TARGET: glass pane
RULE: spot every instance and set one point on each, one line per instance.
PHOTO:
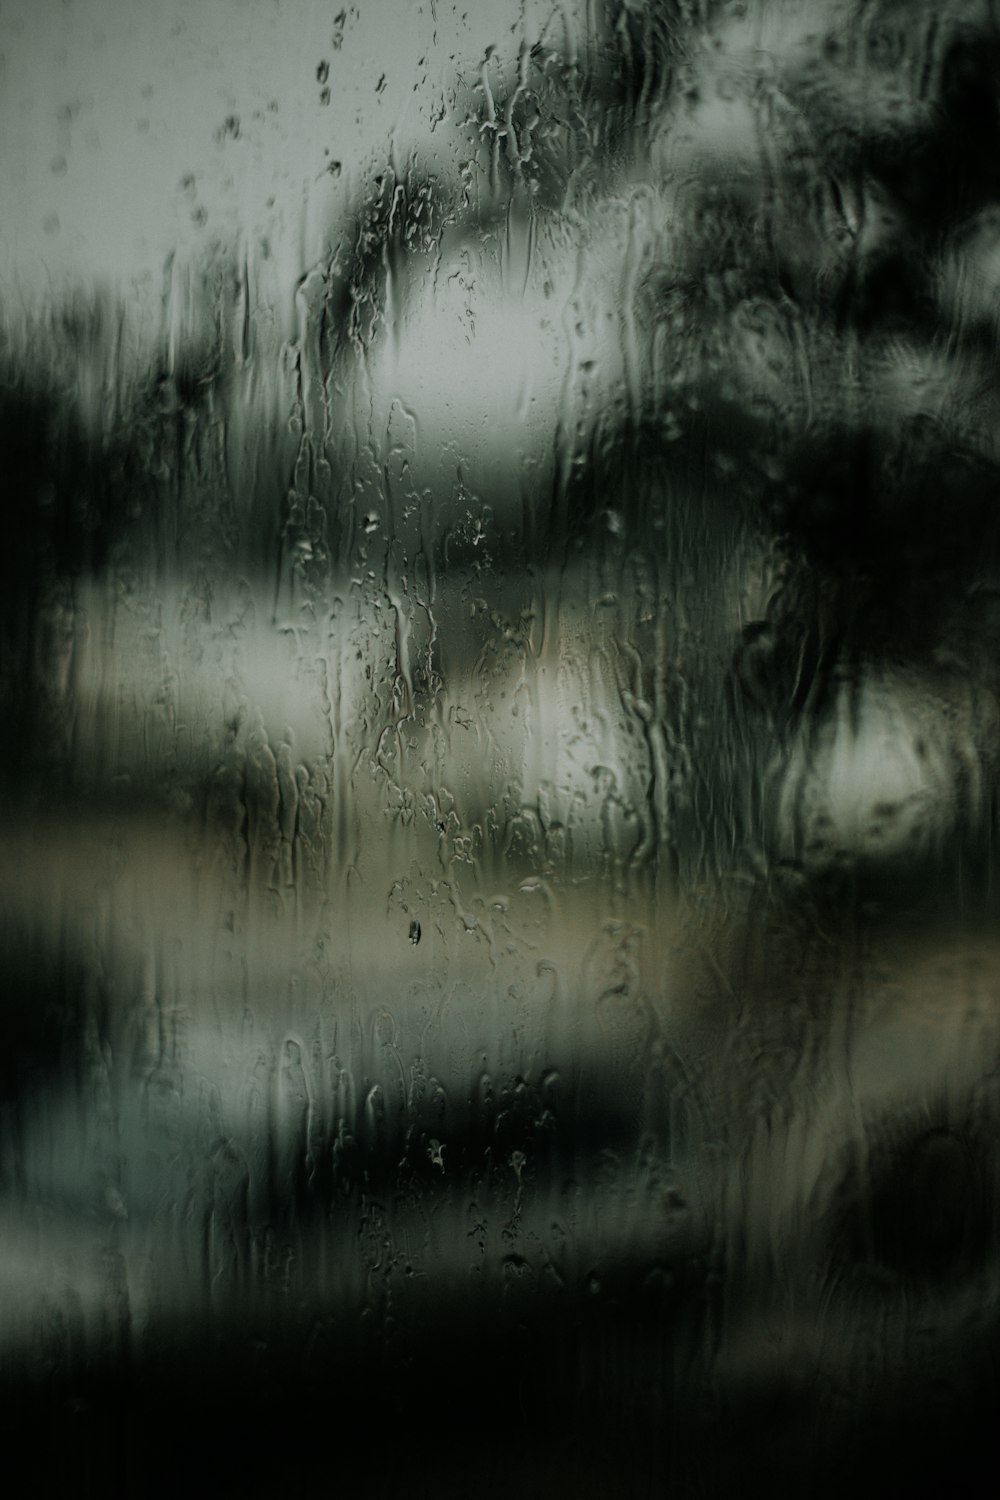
(498, 652)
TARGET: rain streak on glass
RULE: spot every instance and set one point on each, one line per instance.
(499, 626)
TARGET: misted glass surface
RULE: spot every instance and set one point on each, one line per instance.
(499, 641)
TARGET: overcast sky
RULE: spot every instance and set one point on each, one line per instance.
(133, 128)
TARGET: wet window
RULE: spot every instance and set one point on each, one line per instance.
(499, 624)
